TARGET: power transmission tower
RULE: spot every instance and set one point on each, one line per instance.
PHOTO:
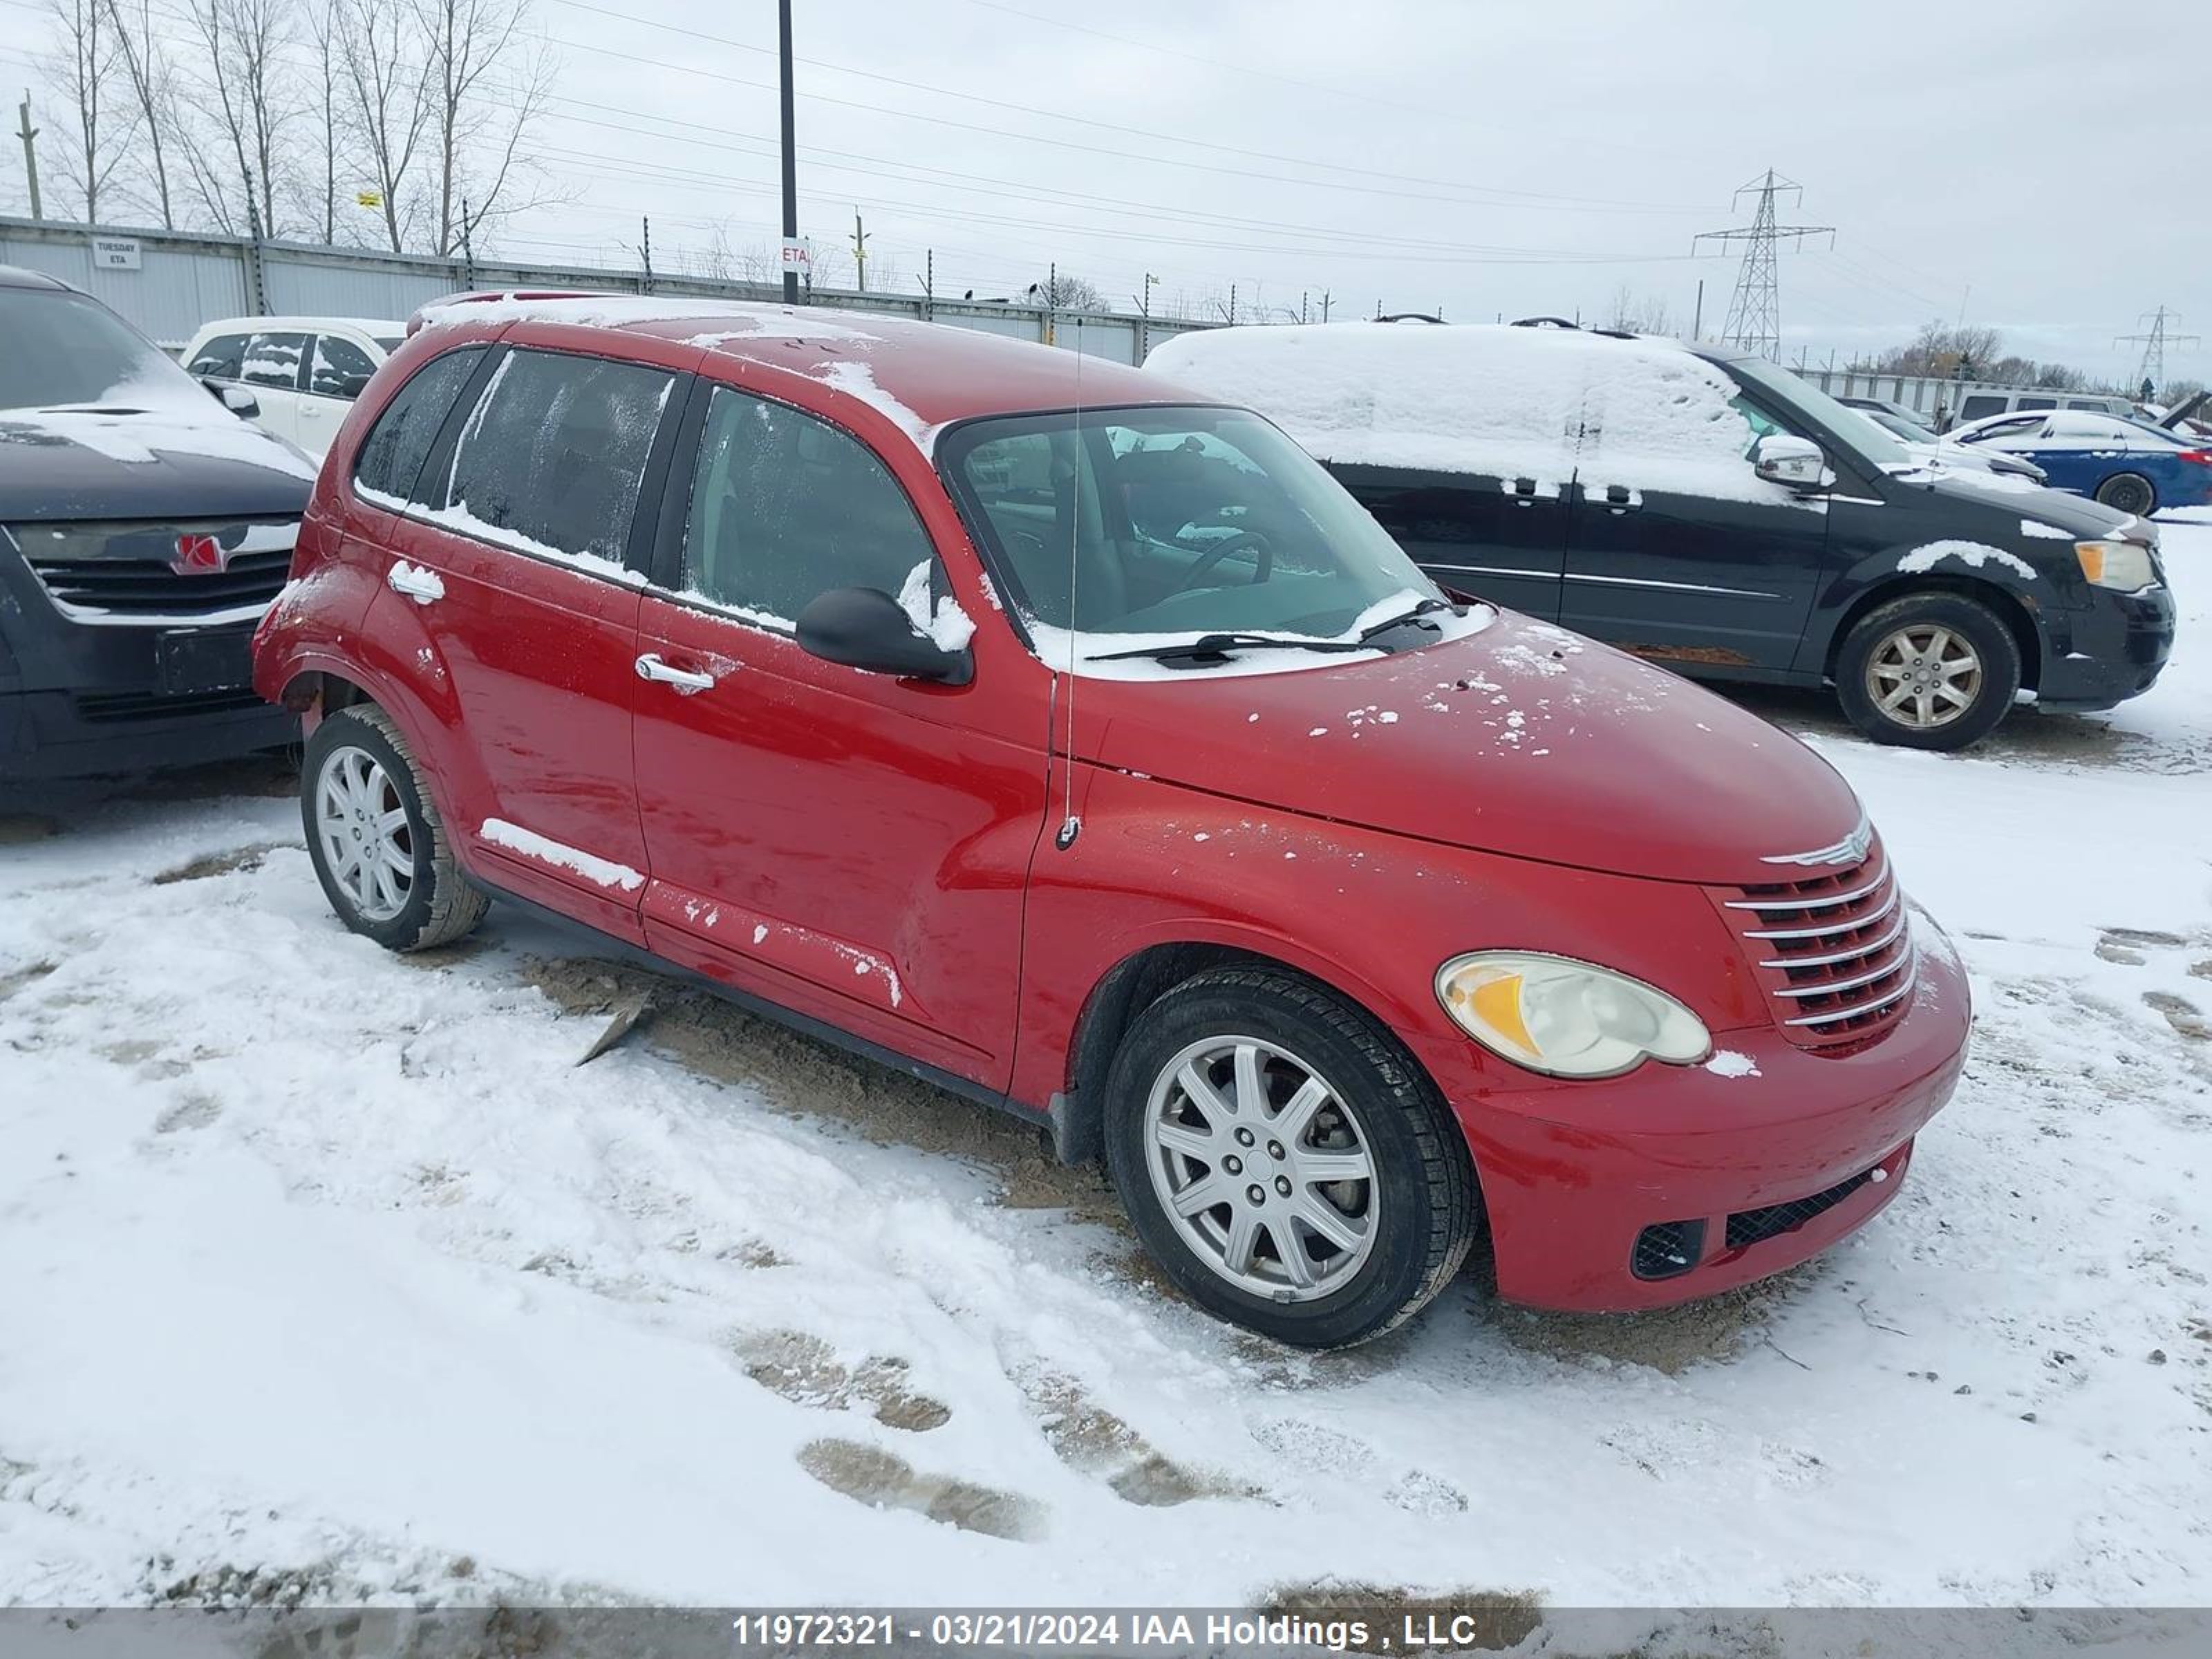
(1754, 315)
(2154, 341)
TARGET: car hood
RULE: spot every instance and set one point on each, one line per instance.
(1522, 739)
(2077, 515)
(169, 461)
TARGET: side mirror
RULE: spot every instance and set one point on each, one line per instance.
(235, 399)
(1795, 462)
(866, 628)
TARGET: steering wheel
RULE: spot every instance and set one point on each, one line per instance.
(1264, 560)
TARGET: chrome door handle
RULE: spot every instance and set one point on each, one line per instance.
(417, 584)
(650, 668)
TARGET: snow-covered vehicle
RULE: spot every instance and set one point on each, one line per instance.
(2131, 465)
(302, 372)
(1923, 445)
(1714, 512)
(1083, 750)
(144, 528)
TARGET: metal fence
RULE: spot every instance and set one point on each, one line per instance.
(169, 282)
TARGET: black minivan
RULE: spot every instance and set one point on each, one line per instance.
(1714, 512)
(144, 527)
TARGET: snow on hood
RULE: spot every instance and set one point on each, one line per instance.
(1524, 739)
(1532, 402)
(141, 419)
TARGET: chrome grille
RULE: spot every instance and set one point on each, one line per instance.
(1835, 952)
(123, 573)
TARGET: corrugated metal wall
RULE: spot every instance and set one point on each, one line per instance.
(185, 280)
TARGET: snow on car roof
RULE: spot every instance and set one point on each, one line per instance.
(922, 376)
(1506, 401)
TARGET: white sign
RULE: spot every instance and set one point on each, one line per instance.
(115, 252)
(799, 256)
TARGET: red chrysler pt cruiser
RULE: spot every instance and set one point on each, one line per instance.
(1078, 745)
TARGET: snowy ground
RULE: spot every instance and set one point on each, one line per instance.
(333, 1265)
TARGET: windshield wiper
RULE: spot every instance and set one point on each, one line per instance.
(1419, 610)
(1216, 647)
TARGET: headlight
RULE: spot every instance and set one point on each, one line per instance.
(1566, 1018)
(2124, 565)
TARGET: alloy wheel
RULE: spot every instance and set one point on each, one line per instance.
(1262, 1169)
(367, 840)
(1924, 676)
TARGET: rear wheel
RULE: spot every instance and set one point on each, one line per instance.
(1284, 1161)
(378, 844)
(2129, 492)
(1930, 670)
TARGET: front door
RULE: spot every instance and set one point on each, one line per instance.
(1498, 538)
(337, 370)
(847, 845)
(1677, 550)
(510, 570)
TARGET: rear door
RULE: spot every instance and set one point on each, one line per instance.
(1498, 539)
(1678, 551)
(510, 610)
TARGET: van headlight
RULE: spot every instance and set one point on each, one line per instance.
(2125, 565)
(1564, 1018)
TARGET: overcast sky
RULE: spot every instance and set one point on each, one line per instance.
(2022, 163)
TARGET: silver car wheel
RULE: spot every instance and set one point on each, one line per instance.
(1263, 1170)
(1924, 676)
(367, 843)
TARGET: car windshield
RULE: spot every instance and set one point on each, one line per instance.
(1897, 426)
(1851, 426)
(63, 349)
(1172, 521)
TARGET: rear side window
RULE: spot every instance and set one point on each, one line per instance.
(2036, 403)
(273, 361)
(340, 368)
(391, 459)
(552, 457)
(785, 507)
(220, 358)
(1976, 407)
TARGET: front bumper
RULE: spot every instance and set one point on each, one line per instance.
(60, 734)
(2117, 649)
(1573, 1176)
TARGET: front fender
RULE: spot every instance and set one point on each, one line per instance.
(1370, 914)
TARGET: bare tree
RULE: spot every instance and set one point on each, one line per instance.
(322, 23)
(146, 64)
(1065, 291)
(487, 79)
(254, 89)
(387, 107)
(85, 66)
(1644, 313)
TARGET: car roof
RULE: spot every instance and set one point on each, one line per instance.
(368, 325)
(923, 375)
(18, 277)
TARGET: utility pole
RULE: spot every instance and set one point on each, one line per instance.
(1232, 305)
(1145, 311)
(1698, 317)
(929, 285)
(860, 253)
(2154, 341)
(645, 252)
(29, 134)
(468, 252)
(1755, 317)
(790, 154)
(1324, 305)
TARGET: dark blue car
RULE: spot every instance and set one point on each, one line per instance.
(2129, 465)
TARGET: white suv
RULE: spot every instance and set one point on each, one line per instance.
(304, 372)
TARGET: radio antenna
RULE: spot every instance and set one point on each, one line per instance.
(1070, 825)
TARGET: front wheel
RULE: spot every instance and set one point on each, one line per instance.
(1284, 1161)
(1930, 670)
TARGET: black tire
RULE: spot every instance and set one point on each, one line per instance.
(2129, 492)
(1972, 620)
(1423, 1188)
(441, 904)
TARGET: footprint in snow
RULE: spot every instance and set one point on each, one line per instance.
(1093, 1441)
(805, 1370)
(868, 1474)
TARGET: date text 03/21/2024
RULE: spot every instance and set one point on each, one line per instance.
(1035, 1629)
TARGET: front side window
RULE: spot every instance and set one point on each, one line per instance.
(390, 458)
(785, 507)
(273, 361)
(339, 369)
(553, 456)
(1171, 520)
(219, 359)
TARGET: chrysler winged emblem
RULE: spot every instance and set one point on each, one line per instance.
(1851, 849)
